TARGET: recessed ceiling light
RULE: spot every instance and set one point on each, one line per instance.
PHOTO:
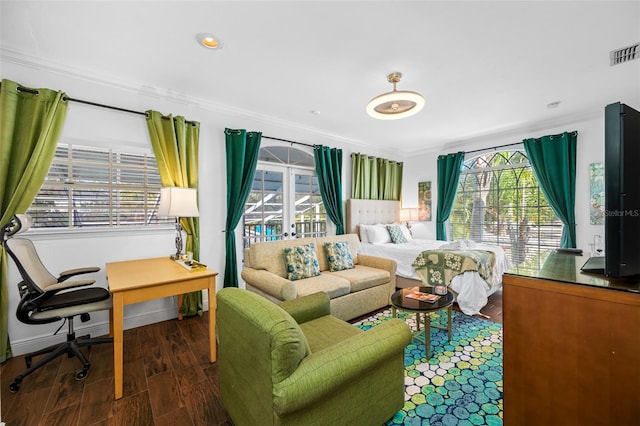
(209, 41)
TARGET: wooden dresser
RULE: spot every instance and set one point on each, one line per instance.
(571, 346)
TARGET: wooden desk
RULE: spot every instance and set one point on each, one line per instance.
(140, 280)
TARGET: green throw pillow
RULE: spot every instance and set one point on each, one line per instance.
(339, 256)
(301, 262)
(397, 236)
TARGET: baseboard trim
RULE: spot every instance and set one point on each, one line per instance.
(25, 346)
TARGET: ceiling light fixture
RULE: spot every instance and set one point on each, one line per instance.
(209, 41)
(395, 104)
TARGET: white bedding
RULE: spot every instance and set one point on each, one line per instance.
(473, 291)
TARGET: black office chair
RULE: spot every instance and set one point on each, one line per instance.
(45, 299)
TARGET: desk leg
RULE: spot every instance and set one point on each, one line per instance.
(180, 299)
(118, 324)
(212, 319)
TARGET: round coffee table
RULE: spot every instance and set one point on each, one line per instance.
(399, 300)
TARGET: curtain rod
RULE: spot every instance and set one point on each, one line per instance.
(493, 147)
(510, 144)
(81, 101)
(285, 140)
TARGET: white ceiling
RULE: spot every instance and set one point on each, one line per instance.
(483, 67)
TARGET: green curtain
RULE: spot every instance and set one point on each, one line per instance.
(364, 176)
(448, 177)
(375, 178)
(30, 124)
(242, 156)
(329, 171)
(175, 145)
(390, 179)
(553, 161)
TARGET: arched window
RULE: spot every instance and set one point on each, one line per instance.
(285, 200)
(499, 202)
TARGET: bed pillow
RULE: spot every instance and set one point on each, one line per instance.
(405, 231)
(420, 230)
(378, 234)
(396, 234)
(301, 262)
(363, 230)
(339, 256)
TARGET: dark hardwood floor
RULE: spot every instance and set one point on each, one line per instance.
(168, 380)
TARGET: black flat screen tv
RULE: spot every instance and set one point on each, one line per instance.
(622, 191)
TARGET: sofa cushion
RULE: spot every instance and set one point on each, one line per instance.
(338, 256)
(354, 246)
(334, 286)
(301, 261)
(363, 277)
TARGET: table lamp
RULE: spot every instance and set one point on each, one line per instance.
(408, 215)
(178, 202)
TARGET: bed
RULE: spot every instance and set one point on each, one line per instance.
(473, 291)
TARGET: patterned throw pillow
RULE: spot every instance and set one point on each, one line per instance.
(397, 236)
(301, 262)
(339, 256)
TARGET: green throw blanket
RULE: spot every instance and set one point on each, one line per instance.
(437, 267)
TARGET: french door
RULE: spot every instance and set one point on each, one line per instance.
(284, 203)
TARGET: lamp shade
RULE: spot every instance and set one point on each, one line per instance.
(178, 202)
(408, 215)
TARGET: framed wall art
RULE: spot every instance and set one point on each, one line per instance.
(596, 193)
(424, 201)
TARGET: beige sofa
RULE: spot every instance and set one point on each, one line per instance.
(352, 292)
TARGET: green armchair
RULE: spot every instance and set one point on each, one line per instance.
(295, 364)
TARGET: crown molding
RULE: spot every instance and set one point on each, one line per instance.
(15, 57)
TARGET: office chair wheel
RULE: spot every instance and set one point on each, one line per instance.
(15, 386)
(82, 374)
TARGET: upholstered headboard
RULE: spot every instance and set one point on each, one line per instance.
(370, 212)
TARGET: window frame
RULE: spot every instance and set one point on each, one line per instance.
(532, 251)
(113, 186)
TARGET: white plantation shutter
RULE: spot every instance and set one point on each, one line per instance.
(98, 187)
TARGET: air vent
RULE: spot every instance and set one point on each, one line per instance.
(625, 54)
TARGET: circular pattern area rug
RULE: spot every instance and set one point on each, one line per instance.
(462, 383)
